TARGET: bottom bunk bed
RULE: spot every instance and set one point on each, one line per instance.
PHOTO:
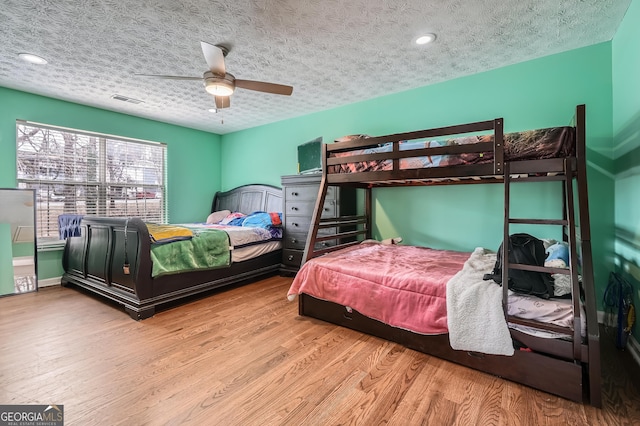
(436, 301)
(400, 293)
(135, 263)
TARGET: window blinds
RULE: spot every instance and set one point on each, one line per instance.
(75, 172)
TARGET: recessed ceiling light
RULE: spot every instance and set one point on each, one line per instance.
(426, 39)
(213, 110)
(32, 59)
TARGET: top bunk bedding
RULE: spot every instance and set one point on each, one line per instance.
(465, 153)
(556, 142)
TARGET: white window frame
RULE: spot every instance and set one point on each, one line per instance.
(86, 191)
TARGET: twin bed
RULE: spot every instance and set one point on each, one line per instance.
(142, 266)
(436, 301)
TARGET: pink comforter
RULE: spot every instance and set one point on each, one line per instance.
(403, 286)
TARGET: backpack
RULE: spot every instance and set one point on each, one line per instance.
(529, 250)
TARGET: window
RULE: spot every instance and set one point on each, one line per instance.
(86, 173)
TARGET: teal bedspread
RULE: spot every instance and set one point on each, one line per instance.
(207, 249)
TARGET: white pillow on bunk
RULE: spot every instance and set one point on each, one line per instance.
(216, 217)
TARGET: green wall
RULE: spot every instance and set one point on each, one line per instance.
(193, 157)
(535, 94)
(626, 149)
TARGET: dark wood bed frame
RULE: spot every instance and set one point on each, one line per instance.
(568, 367)
(95, 260)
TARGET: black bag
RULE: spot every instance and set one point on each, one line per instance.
(529, 250)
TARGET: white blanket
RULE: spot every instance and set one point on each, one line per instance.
(474, 308)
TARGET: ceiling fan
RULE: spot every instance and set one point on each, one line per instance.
(220, 83)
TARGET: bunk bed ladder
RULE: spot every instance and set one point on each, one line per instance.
(568, 224)
(333, 233)
(573, 168)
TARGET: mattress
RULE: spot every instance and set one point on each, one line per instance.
(552, 311)
(240, 254)
(555, 142)
(211, 247)
(405, 287)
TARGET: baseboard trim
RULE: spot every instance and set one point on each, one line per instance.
(49, 282)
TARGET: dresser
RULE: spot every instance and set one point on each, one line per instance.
(300, 194)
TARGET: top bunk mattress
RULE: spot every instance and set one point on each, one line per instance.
(555, 142)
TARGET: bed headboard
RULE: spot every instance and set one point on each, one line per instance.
(248, 199)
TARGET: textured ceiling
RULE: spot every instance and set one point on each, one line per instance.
(333, 52)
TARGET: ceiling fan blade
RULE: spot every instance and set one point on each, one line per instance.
(214, 57)
(222, 102)
(169, 77)
(261, 86)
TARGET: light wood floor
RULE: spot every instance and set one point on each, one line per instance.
(244, 357)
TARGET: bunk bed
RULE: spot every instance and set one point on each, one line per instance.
(113, 257)
(568, 364)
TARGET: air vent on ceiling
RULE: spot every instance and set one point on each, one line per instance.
(126, 99)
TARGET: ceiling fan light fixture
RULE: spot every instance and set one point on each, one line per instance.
(218, 88)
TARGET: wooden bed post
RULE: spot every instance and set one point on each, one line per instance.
(595, 391)
(368, 211)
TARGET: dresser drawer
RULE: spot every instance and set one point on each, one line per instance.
(292, 257)
(306, 208)
(329, 209)
(300, 208)
(298, 241)
(297, 224)
(307, 192)
(293, 240)
(302, 192)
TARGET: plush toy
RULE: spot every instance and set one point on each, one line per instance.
(557, 255)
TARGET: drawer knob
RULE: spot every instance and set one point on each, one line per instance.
(290, 257)
(295, 194)
(294, 208)
(294, 224)
(293, 240)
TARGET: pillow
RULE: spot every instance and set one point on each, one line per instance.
(263, 220)
(557, 255)
(216, 217)
(234, 219)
